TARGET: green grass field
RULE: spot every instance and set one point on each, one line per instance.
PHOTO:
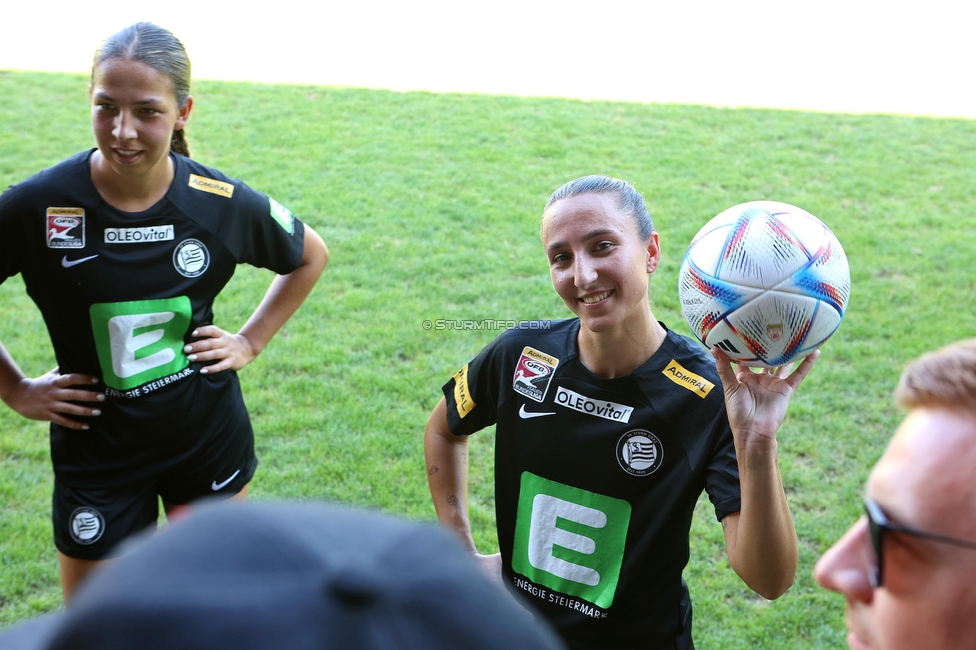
(430, 206)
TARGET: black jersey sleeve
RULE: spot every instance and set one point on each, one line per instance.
(472, 394)
(477, 391)
(274, 238)
(721, 468)
(722, 475)
(13, 239)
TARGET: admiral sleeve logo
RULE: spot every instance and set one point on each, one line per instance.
(211, 186)
(695, 383)
(533, 373)
(65, 228)
(462, 393)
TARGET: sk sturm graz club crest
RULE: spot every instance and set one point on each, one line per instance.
(191, 258)
(639, 452)
(86, 525)
(533, 373)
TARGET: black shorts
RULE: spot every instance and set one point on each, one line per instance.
(89, 522)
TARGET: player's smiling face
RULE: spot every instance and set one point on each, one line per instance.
(134, 113)
(598, 262)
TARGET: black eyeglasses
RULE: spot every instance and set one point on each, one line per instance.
(878, 525)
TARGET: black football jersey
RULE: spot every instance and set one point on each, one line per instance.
(596, 479)
(122, 292)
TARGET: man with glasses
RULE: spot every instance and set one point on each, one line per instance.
(908, 568)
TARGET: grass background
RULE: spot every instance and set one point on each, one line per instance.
(430, 206)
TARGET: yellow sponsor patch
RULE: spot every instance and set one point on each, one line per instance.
(540, 356)
(210, 185)
(681, 376)
(462, 394)
(65, 212)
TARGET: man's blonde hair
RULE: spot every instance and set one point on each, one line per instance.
(945, 378)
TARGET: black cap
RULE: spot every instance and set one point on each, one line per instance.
(241, 576)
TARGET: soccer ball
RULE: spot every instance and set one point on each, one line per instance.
(766, 282)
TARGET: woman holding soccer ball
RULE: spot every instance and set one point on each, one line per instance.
(124, 248)
(608, 427)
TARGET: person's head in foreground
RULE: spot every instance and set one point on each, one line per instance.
(908, 568)
(291, 577)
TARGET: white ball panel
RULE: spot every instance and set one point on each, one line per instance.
(826, 320)
(704, 299)
(773, 323)
(832, 267)
(760, 257)
(706, 253)
(807, 229)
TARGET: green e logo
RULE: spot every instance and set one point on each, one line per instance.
(140, 341)
(570, 540)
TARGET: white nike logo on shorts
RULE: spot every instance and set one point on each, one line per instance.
(525, 415)
(217, 486)
(66, 263)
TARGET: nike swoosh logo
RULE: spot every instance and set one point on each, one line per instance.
(66, 263)
(216, 486)
(525, 415)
